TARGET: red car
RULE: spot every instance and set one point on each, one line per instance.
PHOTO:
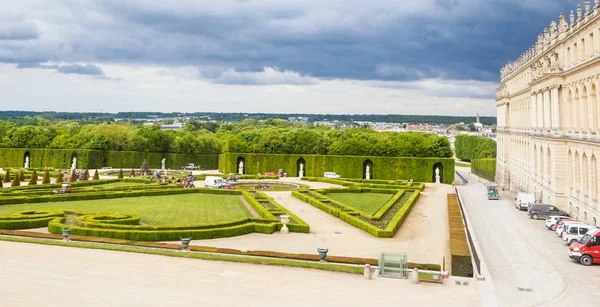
(587, 250)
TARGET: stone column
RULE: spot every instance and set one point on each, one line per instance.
(540, 115)
(547, 109)
(533, 110)
(590, 104)
(555, 108)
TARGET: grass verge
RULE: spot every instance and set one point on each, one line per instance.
(195, 255)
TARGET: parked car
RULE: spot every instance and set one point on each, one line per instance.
(523, 200)
(553, 220)
(575, 232)
(536, 211)
(331, 175)
(563, 227)
(214, 182)
(587, 250)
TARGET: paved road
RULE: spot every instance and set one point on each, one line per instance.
(521, 253)
(40, 275)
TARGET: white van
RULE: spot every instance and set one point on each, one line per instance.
(575, 232)
(565, 226)
(214, 182)
(331, 175)
(523, 200)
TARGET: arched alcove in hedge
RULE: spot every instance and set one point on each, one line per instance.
(237, 164)
(368, 163)
(298, 162)
(441, 167)
(27, 156)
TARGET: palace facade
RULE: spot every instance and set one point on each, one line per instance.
(549, 113)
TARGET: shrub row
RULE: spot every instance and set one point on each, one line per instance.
(112, 194)
(459, 248)
(380, 184)
(353, 216)
(62, 158)
(418, 169)
(469, 147)
(484, 168)
(296, 224)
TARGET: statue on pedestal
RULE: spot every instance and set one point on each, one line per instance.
(301, 173)
(241, 168)
(27, 162)
(367, 173)
(162, 164)
(74, 164)
(437, 175)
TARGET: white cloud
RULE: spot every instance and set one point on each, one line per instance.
(145, 88)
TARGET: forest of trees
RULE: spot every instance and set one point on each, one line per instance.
(273, 136)
(230, 117)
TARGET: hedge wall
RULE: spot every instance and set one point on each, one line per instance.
(459, 248)
(469, 147)
(91, 159)
(484, 168)
(418, 169)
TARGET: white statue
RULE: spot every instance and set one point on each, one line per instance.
(27, 162)
(437, 175)
(74, 164)
(162, 164)
(367, 174)
(301, 174)
(241, 168)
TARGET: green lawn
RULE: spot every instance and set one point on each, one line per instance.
(180, 210)
(369, 203)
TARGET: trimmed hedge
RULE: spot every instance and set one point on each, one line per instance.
(460, 253)
(418, 169)
(126, 226)
(469, 147)
(62, 158)
(388, 217)
(484, 168)
(380, 184)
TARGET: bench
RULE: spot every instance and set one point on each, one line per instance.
(270, 174)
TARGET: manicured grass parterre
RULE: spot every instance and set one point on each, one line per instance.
(181, 210)
(148, 212)
(383, 223)
(369, 203)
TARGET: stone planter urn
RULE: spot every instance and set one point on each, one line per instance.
(284, 219)
(185, 242)
(322, 254)
(66, 232)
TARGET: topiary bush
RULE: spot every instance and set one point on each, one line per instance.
(33, 179)
(73, 177)
(120, 174)
(96, 176)
(46, 179)
(132, 173)
(22, 176)
(86, 175)
(60, 178)
(7, 176)
(16, 182)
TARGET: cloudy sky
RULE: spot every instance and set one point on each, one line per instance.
(309, 56)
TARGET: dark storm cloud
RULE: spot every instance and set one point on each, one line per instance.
(87, 69)
(359, 40)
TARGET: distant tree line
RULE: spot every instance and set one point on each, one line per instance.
(470, 147)
(232, 117)
(273, 136)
